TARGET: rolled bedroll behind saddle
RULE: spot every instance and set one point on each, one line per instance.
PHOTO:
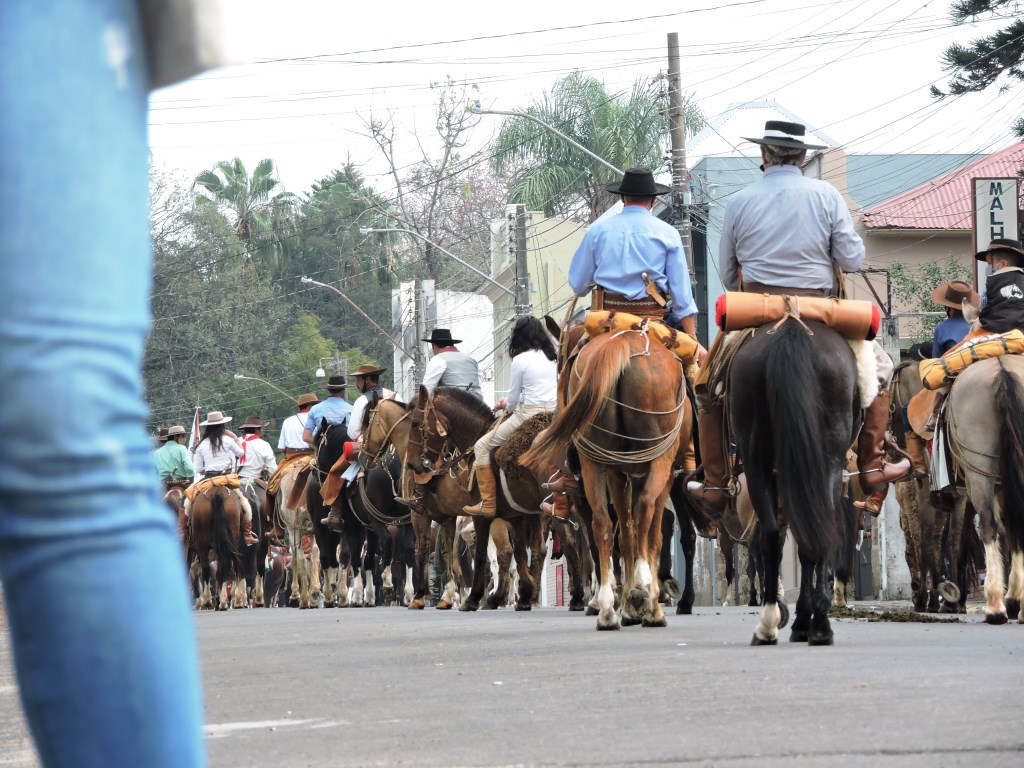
(680, 344)
(940, 371)
(853, 319)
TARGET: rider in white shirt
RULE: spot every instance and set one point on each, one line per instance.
(216, 455)
(292, 427)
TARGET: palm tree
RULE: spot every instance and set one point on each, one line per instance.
(626, 130)
(261, 213)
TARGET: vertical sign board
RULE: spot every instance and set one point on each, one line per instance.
(996, 214)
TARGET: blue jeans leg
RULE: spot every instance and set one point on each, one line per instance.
(94, 581)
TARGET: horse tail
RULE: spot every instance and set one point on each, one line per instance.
(223, 541)
(1010, 403)
(796, 414)
(605, 368)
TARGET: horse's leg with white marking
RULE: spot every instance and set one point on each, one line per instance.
(595, 486)
(651, 510)
(409, 591)
(239, 591)
(762, 494)
(981, 491)
(634, 599)
(222, 596)
(1015, 590)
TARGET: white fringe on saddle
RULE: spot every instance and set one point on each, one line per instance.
(867, 370)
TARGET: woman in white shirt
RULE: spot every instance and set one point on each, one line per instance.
(532, 390)
(216, 455)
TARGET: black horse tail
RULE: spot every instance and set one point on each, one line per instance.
(797, 419)
(1010, 403)
(223, 542)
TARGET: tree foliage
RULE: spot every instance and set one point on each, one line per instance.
(981, 63)
(913, 290)
(551, 175)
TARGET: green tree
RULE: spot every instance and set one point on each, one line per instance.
(551, 175)
(984, 61)
(260, 211)
(913, 290)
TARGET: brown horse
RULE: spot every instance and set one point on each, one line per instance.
(386, 426)
(985, 417)
(215, 534)
(625, 404)
(450, 421)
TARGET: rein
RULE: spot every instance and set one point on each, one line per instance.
(377, 515)
(376, 457)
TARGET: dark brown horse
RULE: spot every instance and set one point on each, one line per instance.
(793, 402)
(215, 535)
(625, 404)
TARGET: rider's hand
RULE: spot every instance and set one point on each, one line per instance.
(500, 405)
(701, 354)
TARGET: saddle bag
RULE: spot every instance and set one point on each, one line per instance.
(229, 481)
(940, 371)
(853, 319)
(679, 344)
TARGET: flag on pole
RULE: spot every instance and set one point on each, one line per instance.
(193, 436)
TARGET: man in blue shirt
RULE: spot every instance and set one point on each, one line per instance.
(618, 251)
(334, 408)
(951, 331)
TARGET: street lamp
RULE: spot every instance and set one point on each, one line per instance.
(337, 364)
(240, 377)
(476, 109)
(414, 233)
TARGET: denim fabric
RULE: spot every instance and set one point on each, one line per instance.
(93, 574)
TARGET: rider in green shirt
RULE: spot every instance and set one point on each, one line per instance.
(173, 461)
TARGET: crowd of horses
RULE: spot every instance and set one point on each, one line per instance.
(622, 427)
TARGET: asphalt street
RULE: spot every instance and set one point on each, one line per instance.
(391, 687)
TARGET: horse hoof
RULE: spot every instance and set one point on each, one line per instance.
(444, 605)
(607, 627)
(758, 641)
(640, 601)
(1013, 607)
(798, 636)
(417, 604)
(671, 588)
(591, 611)
(573, 607)
(820, 638)
(467, 607)
(995, 619)
(684, 610)
(629, 621)
(783, 614)
(523, 606)
(662, 622)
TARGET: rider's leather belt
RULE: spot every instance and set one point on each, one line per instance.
(606, 300)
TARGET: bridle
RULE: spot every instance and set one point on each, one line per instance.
(435, 442)
(371, 459)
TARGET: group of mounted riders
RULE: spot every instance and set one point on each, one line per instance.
(786, 236)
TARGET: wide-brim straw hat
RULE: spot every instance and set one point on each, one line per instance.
(954, 293)
(175, 431)
(254, 422)
(1001, 244)
(214, 418)
(368, 370)
(308, 398)
(637, 182)
(779, 133)
(336, 383)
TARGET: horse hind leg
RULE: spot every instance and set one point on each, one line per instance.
(239, 593)
(1015, 589)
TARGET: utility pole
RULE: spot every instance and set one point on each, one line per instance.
(677, 135)
(417, 323)
(522, 268)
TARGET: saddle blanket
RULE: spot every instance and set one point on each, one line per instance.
(274, 483)
(853, 319)
(940, 371)
(229, 481)
(680, 344)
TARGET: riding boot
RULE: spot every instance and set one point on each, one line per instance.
(873, 503)
(182, 523)
(485, 482)
(875, 471)
(712, 495)
(333, 520)
(557, 507)
(915, 449)
(418, 501)
(248, 537)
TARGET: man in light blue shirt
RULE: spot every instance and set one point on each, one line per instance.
(335, 408)
(788, 234)
(617, 251)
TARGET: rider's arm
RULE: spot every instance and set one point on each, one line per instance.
(435, 370)
(678, 275)
(728, 266)
(583, 266)
(846, 247)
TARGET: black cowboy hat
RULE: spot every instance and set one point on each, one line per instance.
(920, 351)
(637, 182)
(954, 293)
(336, 383)
(442, 337)
(1002, 244)
(779, 133)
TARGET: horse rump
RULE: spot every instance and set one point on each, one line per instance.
(1010, 403)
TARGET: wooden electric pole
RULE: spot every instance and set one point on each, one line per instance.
(677, 135)
(522, 297)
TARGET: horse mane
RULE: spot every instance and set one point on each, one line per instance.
(366, 411)
(469, 416)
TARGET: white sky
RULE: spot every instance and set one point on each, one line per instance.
(858, 70)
